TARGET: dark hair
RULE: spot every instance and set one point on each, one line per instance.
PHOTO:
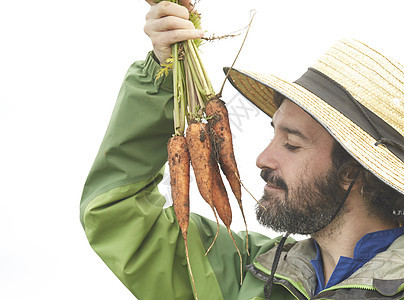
(383, 200)
(278, 99)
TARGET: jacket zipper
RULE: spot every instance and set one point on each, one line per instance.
(297, 291)
(349, 286)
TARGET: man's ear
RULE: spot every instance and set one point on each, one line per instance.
(350, 175)
(357, 187)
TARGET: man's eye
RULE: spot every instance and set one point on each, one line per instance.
(291, 147)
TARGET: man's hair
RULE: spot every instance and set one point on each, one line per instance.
(383, 200)
(278, 99)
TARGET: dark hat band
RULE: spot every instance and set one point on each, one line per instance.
(339, 98)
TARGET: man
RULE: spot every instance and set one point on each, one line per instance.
(334, 170)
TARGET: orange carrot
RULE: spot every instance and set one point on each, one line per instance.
(220, 198)
(223, 208)
(223, 141)
(178, 160)
(200, 151)
(219, 128)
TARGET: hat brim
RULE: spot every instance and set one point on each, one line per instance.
(261, 90)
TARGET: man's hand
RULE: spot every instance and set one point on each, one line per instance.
(168, 23)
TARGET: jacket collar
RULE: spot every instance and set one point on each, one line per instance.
(294, 263)
(384, 272)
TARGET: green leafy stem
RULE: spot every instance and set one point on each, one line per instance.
(191, 84)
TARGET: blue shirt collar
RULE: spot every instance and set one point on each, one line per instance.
(365, 249)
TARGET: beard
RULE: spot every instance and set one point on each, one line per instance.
(305, 208)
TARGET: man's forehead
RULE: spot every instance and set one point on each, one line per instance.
(293, 116)
(289, 108)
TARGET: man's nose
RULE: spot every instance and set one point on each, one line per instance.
(267, 158)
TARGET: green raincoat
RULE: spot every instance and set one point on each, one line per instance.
(123, 217)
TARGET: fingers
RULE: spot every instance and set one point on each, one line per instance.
(168, 23)
(166, 39)
(166, 8)
(162, 41)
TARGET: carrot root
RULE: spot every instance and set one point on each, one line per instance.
(246, 230)
(178, 160)
(217, 232)
(239, 254)
(219, 126)
(189, 268)
(200, 150)
(250, 193)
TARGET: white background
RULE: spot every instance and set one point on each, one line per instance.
(61, 66)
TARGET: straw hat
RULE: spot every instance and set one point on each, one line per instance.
(356, 94)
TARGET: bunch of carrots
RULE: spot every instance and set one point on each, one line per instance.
(206, 143)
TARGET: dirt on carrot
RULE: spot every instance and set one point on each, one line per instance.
(219, 125)
(178, 161)
(222, 205)
(200, 150)
(219, 129)
(195, 102)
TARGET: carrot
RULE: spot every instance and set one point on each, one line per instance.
(220, 198)
(219, 128)
(192, 89)
(223, 208)
(223, 141)
(200, 151)
(178, 160)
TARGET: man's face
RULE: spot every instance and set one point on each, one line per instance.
(302, 192)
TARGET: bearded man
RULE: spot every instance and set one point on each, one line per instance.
(334, 170)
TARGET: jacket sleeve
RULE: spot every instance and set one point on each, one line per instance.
(121, 208)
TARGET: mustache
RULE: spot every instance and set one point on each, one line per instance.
(269, 177)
